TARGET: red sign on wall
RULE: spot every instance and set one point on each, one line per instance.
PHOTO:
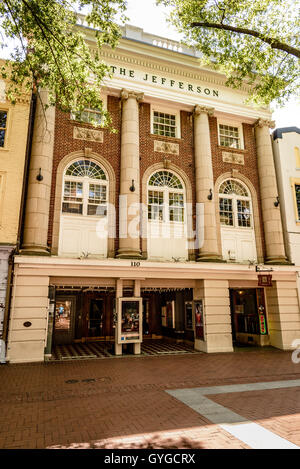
(264, 280)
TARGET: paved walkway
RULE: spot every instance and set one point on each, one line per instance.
(132, 402)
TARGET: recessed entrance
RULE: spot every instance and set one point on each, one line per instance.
(85, 319)
(248, 317)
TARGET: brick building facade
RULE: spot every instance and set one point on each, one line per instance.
(165, 228)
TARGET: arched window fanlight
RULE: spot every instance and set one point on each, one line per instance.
(233, 187)
(87, 168)
(165, 178)
(235, 206)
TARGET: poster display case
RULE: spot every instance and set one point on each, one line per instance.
(189, 315)
(199, 319)
(130, 320)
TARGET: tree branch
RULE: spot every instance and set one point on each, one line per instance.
(274, 43)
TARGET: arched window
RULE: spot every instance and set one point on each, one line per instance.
(85, 189)
(235, 205)
(165, 197)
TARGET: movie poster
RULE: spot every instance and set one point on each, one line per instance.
(199, 319)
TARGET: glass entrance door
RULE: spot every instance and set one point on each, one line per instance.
(248, 315)
(64, 320)
(96, 326)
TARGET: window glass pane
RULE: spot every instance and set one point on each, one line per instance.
(69, 207)
(226, 214)
(88, 116)
(2, 137)
(297, 191)
(99, 210)
(3, 118)
(244, 215)
(155, 205)
(229, 136)
(164, 124)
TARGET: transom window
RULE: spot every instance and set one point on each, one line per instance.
(87, 168)
(235, 205)
(164, 124)
(229, 136)
(165, 197)
(83, 193)
(3, 123)
(165, 178)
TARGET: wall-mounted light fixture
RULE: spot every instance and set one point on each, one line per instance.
(276, 203)
(132, 188)
(39, 176)
(210, 195)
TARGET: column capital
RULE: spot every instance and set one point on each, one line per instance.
(264, 123)
(200, 109)
(126, 94)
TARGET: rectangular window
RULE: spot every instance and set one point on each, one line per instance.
(3, 123)
(155, 205)
(164, 124)
(97, 200)
(88, 116)
(226, 213)
(229, 136)
(243, 213)
(176, 210)
(297, 193)
(72, 202)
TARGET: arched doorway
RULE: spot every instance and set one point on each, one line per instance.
(84, 204)
(167, 225)
(237, 224)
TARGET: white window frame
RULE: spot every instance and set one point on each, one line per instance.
(231, 123)
(235, 198)
(86, 181)
(166, 190)
(73, 115)
(165, 110)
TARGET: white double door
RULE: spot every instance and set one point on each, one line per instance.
(238, 244)
(81, 236)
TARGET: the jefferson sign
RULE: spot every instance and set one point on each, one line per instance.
(163, 81)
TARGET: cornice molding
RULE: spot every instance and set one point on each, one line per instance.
(205, 76)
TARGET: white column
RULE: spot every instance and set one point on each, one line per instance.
(275, 251)
(129, 217)
(38, 194)
(205, 184)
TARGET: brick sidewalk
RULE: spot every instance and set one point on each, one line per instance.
(122, 403)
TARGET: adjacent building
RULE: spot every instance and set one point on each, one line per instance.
(13, 143)
(168, 228)
(286, 147)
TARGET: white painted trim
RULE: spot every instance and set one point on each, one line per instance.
(232, 123)
(166, 110)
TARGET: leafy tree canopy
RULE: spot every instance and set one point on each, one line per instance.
(252, 41)
(51, 52)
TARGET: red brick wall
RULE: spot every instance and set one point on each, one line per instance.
(111, 150)
(64, 144)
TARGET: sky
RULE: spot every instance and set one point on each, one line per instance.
(152, 19)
